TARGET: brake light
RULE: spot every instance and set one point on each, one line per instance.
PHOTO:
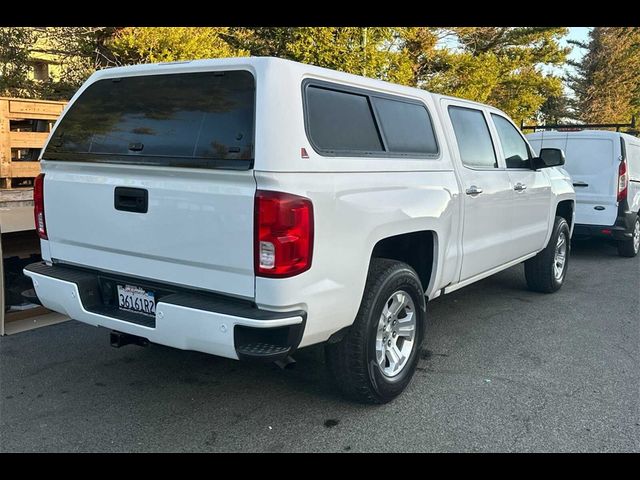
(623, 181)
(38, 206)
(283, 231)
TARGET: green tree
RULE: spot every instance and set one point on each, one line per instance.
(167, 44)
(79, 50)
(502, 66)
(418, 44)
(369, 51)
(556, 109)
(15, 43)
(607, 80)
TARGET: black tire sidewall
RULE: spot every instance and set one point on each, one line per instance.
(405, 279)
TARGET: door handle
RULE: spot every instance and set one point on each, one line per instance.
(580, 184)
(519, 187)
(473, 191)
(131, 199)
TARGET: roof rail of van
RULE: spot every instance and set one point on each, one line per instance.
(579, 126)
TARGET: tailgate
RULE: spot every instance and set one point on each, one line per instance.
(151, 176)
(197, 231)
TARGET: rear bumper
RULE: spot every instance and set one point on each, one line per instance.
(186, 320)
(622, 229)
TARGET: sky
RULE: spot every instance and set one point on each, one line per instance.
(576, 33)
(581, 34)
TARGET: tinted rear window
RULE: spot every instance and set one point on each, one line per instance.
(340, 121)
(188, 119)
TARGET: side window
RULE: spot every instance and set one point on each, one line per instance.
(633, 161)
(348, 121)
(407, 127)
(473, 137)
(340, 121)
(514, 147)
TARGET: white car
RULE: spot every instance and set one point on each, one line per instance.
(605, 169)
(249, 207)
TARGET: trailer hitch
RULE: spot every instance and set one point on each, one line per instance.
(120, 339)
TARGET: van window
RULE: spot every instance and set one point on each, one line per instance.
(341, 121)
(406, 126)
(514, 147)
(473, 137)
(633, 161)
(189, 119)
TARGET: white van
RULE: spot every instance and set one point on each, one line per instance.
(605, 169)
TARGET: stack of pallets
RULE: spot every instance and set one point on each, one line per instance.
(24, 127)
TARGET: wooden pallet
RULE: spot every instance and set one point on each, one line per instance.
(19, 239)
(12, 109)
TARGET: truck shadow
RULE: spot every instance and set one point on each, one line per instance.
(593, 248)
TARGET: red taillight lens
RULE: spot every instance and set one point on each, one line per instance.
(38, 206)
(283, 234)
(623, 181)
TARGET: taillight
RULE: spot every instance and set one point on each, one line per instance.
(623, 181)
(38, 206)
(283, 231)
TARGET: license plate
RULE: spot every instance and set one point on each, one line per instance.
(136, 299)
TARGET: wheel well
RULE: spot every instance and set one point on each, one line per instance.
(415, 249)
(565, 210)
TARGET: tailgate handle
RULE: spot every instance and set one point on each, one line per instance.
(580, 184)
(131, 199)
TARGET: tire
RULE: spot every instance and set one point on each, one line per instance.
(355, 361)
(540, 270)
(629, 247)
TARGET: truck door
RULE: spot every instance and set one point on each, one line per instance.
(531, 190)
(486, 191)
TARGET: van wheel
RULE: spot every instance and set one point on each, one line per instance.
(375, 360)
(546, 271)
(629, 247)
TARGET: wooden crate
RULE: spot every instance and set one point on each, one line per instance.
(14, 109)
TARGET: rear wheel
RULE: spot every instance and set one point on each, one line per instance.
(629, 247)
(546, 271)
(375, 361)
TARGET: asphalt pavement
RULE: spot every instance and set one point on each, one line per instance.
(502, 369)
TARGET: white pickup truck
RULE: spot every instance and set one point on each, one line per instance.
(249, 207)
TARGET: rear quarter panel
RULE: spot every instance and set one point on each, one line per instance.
(352, 212)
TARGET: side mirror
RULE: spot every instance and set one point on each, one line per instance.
(549, 157)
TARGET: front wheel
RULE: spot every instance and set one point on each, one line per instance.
(375, 361)
(546, 271)
(630, 246)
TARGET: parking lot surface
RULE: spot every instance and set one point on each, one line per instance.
(502, 369)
